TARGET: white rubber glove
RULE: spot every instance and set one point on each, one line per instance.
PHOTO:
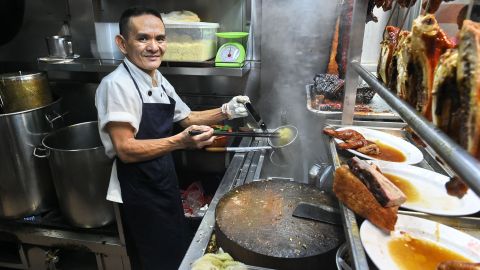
(235, 108)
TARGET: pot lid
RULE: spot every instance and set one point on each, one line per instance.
(22, 75)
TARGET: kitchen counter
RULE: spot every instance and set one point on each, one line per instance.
(243, 169)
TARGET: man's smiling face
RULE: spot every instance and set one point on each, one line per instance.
(145, 42)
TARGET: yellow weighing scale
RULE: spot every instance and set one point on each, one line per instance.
(231, 54)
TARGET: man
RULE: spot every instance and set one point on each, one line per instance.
(136, 108)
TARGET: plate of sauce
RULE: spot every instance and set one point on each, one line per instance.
(392, 148)
(425, 190)
(417, 244)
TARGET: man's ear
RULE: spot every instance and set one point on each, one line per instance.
(121, 44)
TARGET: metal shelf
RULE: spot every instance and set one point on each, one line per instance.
(459, 160)
(105, 65)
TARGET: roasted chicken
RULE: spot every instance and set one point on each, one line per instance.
(353, 140)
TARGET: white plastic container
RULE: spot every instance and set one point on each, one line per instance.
(105, 34)
(190, 42)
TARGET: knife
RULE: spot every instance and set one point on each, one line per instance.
(318, 212)
(255, 116)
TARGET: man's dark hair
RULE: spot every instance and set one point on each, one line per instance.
(134, 12)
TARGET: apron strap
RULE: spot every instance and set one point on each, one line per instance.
(134, 82)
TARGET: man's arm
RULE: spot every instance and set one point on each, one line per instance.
(207, 117)
(233, 109)
(129, 149)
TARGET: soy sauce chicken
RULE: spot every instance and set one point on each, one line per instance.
(353, 140)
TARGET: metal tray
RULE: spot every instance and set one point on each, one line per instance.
(351, 222)
(380, 109)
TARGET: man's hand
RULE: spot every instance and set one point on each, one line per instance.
(235, 108)
(197, 141)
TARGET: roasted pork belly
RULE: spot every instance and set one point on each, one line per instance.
(386, 193)
(356, 196)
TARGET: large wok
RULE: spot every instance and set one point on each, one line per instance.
(254, 223)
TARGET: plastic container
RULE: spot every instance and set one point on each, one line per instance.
(190, 42)
(105, 34)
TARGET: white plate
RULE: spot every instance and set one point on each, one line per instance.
(412, 153)
(431, 187)
(376, 241)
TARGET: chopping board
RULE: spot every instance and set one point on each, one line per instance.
(254, 223)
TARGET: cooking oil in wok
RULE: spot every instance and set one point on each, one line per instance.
(411, 253)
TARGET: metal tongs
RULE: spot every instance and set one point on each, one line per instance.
(237, 134)
(256, 116)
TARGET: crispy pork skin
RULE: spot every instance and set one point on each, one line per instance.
(468, 81)
(386, 193)
(356, 196)
(456, 265)
(447, 113)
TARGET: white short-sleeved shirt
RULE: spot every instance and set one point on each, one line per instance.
(117, 100)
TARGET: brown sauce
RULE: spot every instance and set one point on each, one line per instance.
(389, 153)
(408, 189)
(415, 254)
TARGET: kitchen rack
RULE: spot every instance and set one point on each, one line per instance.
(108, 65)
(462, 163)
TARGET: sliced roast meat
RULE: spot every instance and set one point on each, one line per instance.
(386, 193)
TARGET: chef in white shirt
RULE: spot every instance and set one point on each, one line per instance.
(136, 109)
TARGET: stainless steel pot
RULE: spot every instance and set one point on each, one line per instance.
(59, 46)
(23, 91)
(81, 172)
(25, 184)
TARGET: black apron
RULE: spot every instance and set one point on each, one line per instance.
(152, 212)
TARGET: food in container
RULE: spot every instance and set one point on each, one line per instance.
(190, 42)
(221, 141)
(24, 91)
